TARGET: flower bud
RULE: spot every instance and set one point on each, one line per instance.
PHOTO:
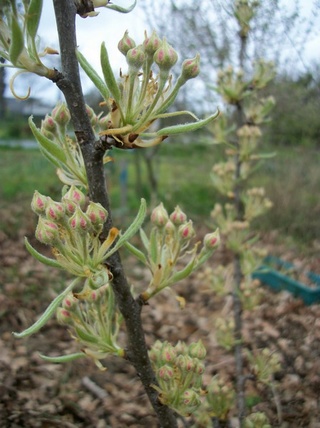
(92, 116)
(168, 353)
(126, 43)
(166, 373)
(191, 398)
(64, 316)
(38, 203)
(211, 240)
(170, 228)
(197, 350)
(191, 68)
(55, 210)
(97, 214)
(135, 58)
(159, 216)
(48, 125)
(152, 43)
(61, 114)
(69, 302)
(75, 195)
(186, 231)
(178, 217)
(47, 232)
(165, 56)
(79, 221)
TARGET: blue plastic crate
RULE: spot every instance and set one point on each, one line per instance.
(280, 282)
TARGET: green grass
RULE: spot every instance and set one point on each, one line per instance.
(291, 179)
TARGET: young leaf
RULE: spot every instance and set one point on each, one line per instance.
(137, 253)
(17, 40)
(108, 74)
(62, 358)
(43, 259)
(122, 9)
(178, 129)
(33, 17)
(93, 76)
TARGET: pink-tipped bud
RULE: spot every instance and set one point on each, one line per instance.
(170, 228)
(191, 68)
(151, 44)
(178, 217)
(39, 203)
(191, 398)
(70, 302)
(47, 232)
(75, 195)
(64, 316)
(211, 240)
(166, 373)
(126, 43)
(97, 295)
(48, 125)
(97, 214)
(92, 116)
(168, 353)
(165, 57)
(69, 206)
(55, 210)
(186, 231)
(197, 350)
(61, 114)
(135, 58)
(159, 216)
(80, 222)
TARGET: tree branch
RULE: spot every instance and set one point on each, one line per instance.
(69, 83)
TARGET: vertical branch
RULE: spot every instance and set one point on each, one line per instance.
(69, 83)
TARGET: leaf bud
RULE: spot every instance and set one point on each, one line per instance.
(191, 67)
(55, 210)
(126, 43)
(159, 216)
(47, 232)
(79, 221)
(186, 231)
(211, 240)
(178, 217)
(165, 57)
(61, 114)
(152, 43)
(197, 350)
(39, 203)
(135, 58)
(98, 279)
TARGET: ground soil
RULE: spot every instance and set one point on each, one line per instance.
(35, 393)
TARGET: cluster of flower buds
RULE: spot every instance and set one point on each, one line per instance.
(72, 227)
(94, 321)
(257, 110)
(256, 203)
(248, 137)
(145, 93)
(222, 176)
(256, 420)
(224, 329)
(250, 293)
(220, 398)
(263, 73)
(59, 148)
(231, 85)
(264, 364)
(168, 242)
(18, 44)
(244, 11)
(179, 371)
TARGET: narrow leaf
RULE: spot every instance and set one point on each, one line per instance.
(49, 157)
(137, 253)
(33, 17)
(122, 9)
(144, 239)
(63, 358)
(17, 40)
(47, 313)
(178, 276)
(51, 147)
(93, 76)
(187, 127)
(43, 259)
(108, 74)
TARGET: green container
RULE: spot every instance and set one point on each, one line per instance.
(269, 275)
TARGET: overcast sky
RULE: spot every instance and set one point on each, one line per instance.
(109, 26)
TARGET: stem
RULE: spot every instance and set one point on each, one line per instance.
(69, 83)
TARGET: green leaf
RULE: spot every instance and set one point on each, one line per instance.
(178, 276)
(17, 40)
(137, 253)
(52, 148)
(33, 17)
(51, 309)
(187, 127)
(108, 74)
(122, 9)
(93, 76)
(62, 358)
(144, 239)
(43, 259)
(49, 157)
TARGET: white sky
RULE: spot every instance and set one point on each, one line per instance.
(109, 26)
